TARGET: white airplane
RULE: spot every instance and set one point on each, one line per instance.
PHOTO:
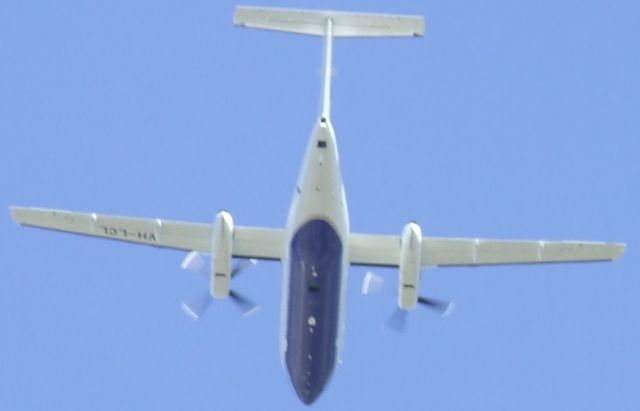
(316, 246)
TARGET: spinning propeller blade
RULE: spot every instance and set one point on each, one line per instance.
(373, 284)
(398, 320)
(247, 306)
(197, 306)
(195, 262)
(242, 265)
(443, 307)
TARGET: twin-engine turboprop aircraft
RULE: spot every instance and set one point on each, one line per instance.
(316, 246)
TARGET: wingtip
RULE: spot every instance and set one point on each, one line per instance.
(13, 211)
(620, 248)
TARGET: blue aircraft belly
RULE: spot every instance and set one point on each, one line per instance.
(314, 299)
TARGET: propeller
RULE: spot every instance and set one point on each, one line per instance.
(198, 305)
(443, 307)
(247, 306)
(374, 284)
(195, 262)
(397, 321)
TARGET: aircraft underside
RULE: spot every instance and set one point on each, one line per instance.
(314, 298)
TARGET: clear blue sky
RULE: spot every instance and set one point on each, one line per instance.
(507, 120)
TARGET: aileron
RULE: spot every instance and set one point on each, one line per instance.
(155, 232)
(452, 252)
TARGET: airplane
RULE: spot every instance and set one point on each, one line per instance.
(316, 246)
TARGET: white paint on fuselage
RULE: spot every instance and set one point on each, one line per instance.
(319, 195)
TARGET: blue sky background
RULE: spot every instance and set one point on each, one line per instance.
(508, 120)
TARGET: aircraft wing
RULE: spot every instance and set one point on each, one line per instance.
(249, 242)
(384, 250)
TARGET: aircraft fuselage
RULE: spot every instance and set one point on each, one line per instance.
(315, 268)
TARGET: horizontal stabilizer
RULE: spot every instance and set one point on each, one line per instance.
(345, 24)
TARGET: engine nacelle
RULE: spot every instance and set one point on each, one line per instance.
(222, 251)
(410, 266)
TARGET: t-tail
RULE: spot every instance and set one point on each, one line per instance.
(329, 24)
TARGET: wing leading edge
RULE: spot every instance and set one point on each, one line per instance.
(384, 250)
(268, 243)
(250, 242)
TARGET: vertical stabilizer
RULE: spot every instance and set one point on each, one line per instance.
(329, 24)
(328, 69)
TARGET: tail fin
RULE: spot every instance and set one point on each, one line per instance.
(328, 24)
(313, 22)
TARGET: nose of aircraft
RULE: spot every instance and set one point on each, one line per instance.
(308, 388)
(309, 375)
